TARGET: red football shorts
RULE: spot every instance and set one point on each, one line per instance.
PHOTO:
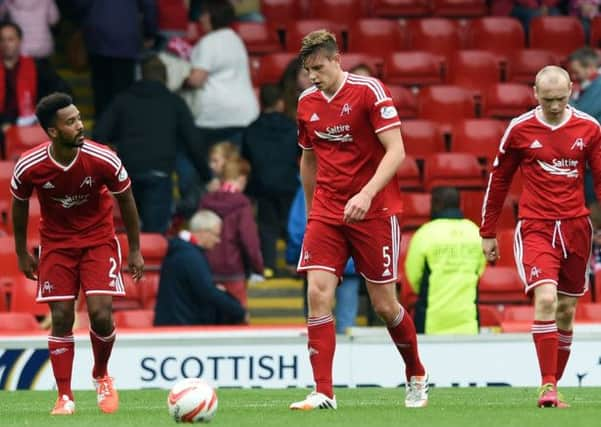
(554, 251)
(97, 269)
(373, 243)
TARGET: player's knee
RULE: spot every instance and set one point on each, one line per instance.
(62, 321)
(101, 320)
(386, 310)
(565, 312)
(547, 302)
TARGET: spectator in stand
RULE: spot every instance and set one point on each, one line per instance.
(271, 147)
(238, 254)
(525, 10)
(146, 124)
(294, 81)
(35, 17)
(362, 70)
(584, 68)
(187, 293)
(219, 155)
(586, 10)
(23, 81)
(113, 41)
(443, 265)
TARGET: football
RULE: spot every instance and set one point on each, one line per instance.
(192, 401)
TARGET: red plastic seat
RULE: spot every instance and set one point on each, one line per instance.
(6, 173)
(489, 316)
(22, 297)
(134, 318)
(501, 285)
(508, 100)
(33, 221)
(471, 206)
(404, 101)
(499, 34)
(474, 70)
(270, 68)
(397, 8)
(560, 34)
(22, 138)
(153, 247)
(377, 36)
(416, 209)
(445, 104)
(460, 170)
(280, 12)
(505, 238)
(149, 288)
(408, 175)
(437, 35)
(523, 64)
(259, 38)
(82, 320)
(421, 138)
(413, 68)
(348, 61)
(133, 295)
(18, 322)
(459, 8)
(477, 136)
(524, 313)
(342, 11)
(296, 30)
(588, 312)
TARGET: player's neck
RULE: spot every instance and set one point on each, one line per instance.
(336, 85)
(553, 121)
(62, 155)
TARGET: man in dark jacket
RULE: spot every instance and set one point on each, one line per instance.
(270, 144)
(187, 294)
(145, 124)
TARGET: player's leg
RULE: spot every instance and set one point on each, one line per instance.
(544, 330)
(62, 350)
(402, 331)
(566, 308)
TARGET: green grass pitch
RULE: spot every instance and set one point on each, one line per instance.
(449, 407)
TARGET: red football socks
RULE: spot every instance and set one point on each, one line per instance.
(402, 332)
(563, 351)
(102, 347)
(322, 343)
(61, 357)
(544, 333)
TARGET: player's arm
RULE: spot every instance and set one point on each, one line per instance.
(308, 172)
(20, 213)
(129, 213)
(359, 204)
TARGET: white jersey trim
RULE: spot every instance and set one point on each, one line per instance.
(372, 83)
(107, 155)
(26, 162)
(103, 157)
(585, 116)
(63, 167)
(526, 116)
(395, 124)
(122, 191)
(307, 91)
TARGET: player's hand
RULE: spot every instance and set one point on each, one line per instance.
(135, 262)
(490, 249)
(29, 266)
(356, 208)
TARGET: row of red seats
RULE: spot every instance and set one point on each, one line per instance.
(560, 35)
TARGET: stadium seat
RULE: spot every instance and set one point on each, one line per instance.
(342, 11)
(280, 12)
(8, 262)
(489, 316)
(445, 104)
(416, 209)
(22, 138)
(523, 64)
(505, 238)
(498, 34)
(436, 35)
(134, 319)
(296, 30)
(82, 320)
(18, 322)
(508, 100)
(6, 172)
(471, 206)
(524, 313)
(595, 40)
(153, 247)
(132, 299)
(22, 295)
(396, 8)
(404, 101)
(34, 220)
(377, 36)
(459, 8)
(477, 136)
(421, 138)
(474, 70)
(408, 175)
(501, 285)
(259, 38)
(413, 68)
(349, 61)
(271, 67)
(460, 170)
(149, 288)
(588, 312)
(560, 34)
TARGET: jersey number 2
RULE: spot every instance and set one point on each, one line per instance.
(113, 269)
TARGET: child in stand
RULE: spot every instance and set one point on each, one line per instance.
(219, 154)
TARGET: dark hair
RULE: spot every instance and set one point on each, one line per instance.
(269, 95)
(316, 41)
(288, 84)
(221, 13)
(444, 198)
(586, 56)
(11, 24)
(154, 69)
(46, 109)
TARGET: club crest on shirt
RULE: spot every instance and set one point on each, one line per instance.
(346, 110)
(388, 112)
(87, 181)
(579, 143)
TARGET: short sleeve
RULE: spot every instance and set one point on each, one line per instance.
(21, 186)
(303, 140)
(118, 182)
(201, 56)
(382, 112)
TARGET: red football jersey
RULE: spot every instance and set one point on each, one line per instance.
(75, 201)
(342, 130)
(552, 161)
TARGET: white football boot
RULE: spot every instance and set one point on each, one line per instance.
(315, 400)
(417, 392)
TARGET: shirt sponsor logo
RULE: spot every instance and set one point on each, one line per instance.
(71, 201)
(564, 167)
(388, 112)
(337, 133)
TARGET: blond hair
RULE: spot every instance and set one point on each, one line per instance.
(318, 40)
(204, 219)
(226, 149)
(235, 168)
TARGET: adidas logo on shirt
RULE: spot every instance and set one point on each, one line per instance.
(536, 144)
(314, 118)
(48, 185)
